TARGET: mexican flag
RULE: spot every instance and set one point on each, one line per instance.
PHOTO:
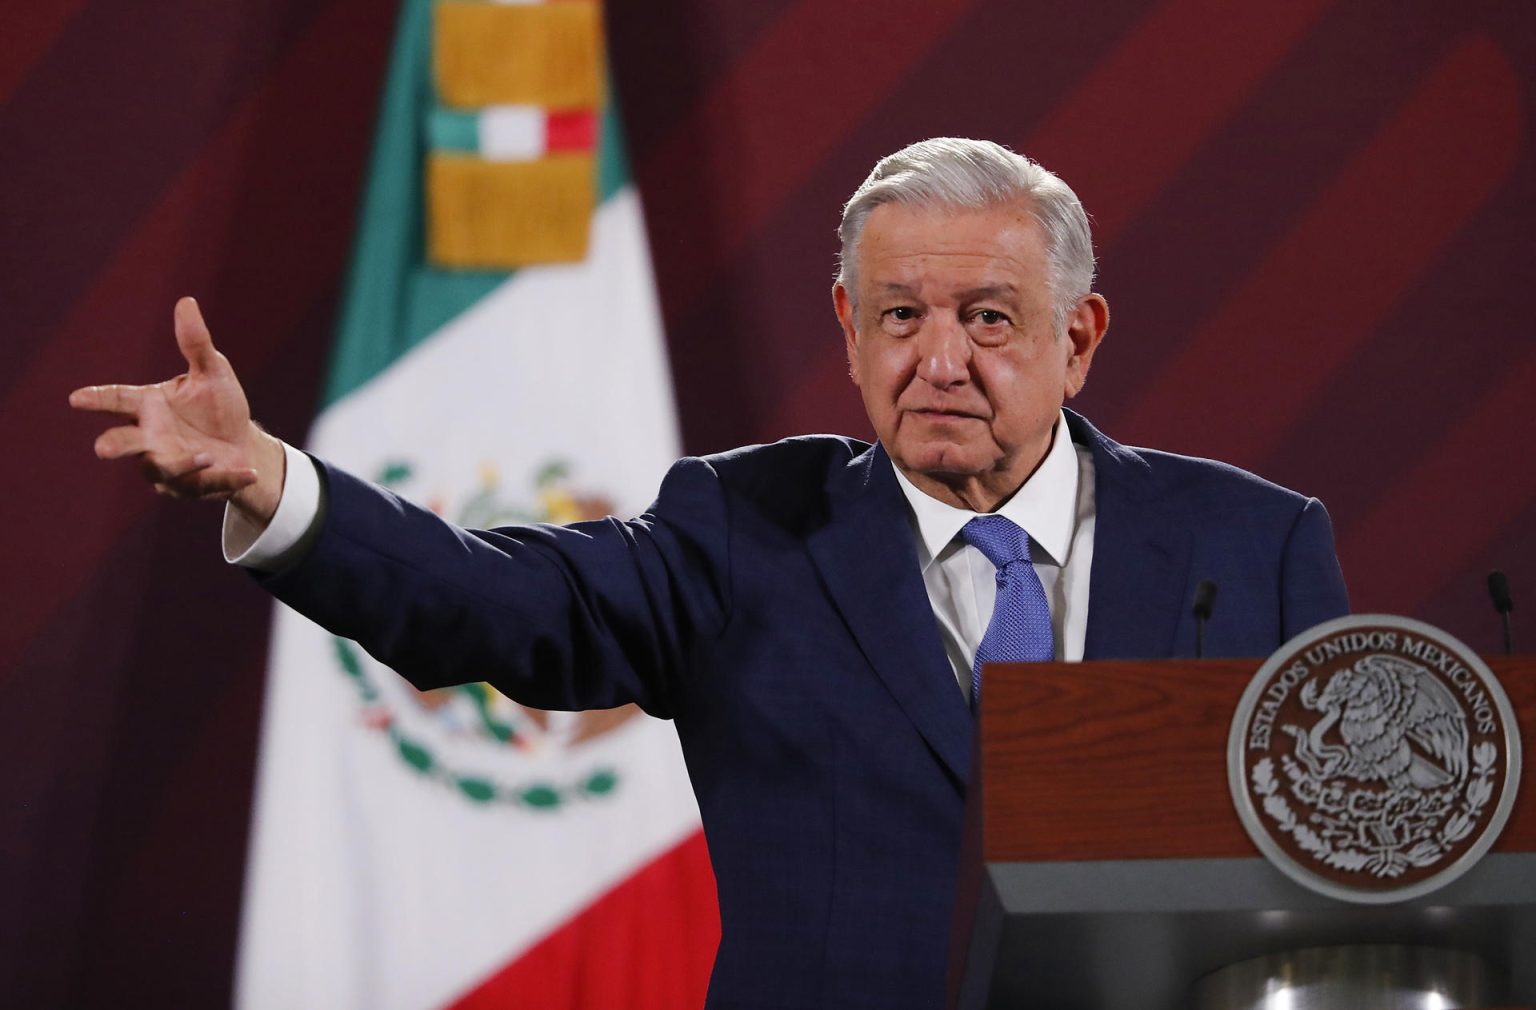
(500, 360)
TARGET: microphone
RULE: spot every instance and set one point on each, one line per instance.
(1498, 590)
(1205, 595)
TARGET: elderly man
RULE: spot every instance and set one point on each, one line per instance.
(812, 614)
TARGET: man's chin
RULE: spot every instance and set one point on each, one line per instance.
(946, 462)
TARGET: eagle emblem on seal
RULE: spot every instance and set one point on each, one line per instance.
(1395, 723)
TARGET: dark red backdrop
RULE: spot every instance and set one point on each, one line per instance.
(1316, 226)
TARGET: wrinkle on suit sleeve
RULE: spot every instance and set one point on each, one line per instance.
(1312, 586)
(592, 615)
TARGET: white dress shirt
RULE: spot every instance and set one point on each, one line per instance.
(298, 509)
(1056, 508)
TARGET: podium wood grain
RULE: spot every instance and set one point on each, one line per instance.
(1128, 760)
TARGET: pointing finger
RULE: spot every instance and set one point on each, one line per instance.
(162, 467)
(208, 484)
(223, 483)
(115, 443)
(115, 399)
(193, 338)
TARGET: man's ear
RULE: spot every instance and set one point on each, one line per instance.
(1086, 326)
(842, 304)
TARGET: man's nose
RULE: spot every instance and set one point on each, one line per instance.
(945, 352)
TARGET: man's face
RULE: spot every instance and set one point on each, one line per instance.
(953, 347)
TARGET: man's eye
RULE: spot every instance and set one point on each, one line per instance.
(902, 313)
(990, 317)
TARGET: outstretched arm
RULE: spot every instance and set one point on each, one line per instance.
(193, 435)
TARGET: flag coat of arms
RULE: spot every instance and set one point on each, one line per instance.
(499, 360)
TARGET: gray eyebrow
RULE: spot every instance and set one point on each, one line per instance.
(970, 295)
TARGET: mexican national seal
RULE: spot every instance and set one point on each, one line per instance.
(1374, 758)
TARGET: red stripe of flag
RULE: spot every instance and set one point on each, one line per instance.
(648, 944)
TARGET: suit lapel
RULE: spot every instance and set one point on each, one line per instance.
(869, 561)
(1140, 558)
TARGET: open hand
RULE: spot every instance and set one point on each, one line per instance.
(193, 434)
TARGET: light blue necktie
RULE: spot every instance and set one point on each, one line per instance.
(1020, 629)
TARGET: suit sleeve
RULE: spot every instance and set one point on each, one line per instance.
(1311, 582)
(592, 615)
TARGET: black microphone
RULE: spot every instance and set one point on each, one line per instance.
(1205, 595)
(1498, 589)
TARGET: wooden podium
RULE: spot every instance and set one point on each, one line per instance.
(1105, 867)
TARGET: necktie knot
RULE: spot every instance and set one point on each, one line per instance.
(1001, 540)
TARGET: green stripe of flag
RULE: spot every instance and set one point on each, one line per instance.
(392, 299)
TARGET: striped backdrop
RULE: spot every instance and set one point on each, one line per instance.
(1316, 222)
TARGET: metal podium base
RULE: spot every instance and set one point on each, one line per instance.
(1364, 977)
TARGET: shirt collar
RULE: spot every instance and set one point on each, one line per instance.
(1045, 506)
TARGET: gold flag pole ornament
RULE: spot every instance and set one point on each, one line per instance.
(511, 177)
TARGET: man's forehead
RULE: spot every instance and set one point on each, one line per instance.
(899, 230)
(898, 288)
(963, 253)
(1015, 212)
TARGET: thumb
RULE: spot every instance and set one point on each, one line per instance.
(193, 338)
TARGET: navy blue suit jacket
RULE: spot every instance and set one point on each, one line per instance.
(770, 603)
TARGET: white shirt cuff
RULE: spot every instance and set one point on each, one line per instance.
(298, 510)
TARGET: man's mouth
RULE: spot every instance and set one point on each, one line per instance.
(940, 414)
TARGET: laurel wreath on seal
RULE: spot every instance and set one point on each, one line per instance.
(534, 795)
(485, 508)
(1385, 860)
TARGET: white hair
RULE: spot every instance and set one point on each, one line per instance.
(975, 175)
